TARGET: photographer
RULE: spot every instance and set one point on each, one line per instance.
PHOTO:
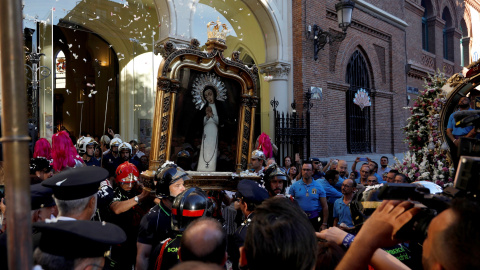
(452, 241)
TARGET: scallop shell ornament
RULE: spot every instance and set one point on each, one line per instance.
(362, 99)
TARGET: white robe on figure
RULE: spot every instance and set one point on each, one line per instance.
(209, 147)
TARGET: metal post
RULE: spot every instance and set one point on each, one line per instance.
(15, 139)
(308, 105)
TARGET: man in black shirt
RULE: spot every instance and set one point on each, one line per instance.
(156, 225)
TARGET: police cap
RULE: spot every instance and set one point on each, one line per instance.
(251, 192)
(78, 239)
(41, 196)
(76, 183)
(314, 159)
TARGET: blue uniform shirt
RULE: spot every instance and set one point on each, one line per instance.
(342, 212)
(92, 162)
(332, 193)
(310, 202)
(338, 185)
(458, 131)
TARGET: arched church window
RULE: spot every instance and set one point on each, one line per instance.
(60, 70)
(464, 45)
(424, 27)
(447, 37)
(358, 120)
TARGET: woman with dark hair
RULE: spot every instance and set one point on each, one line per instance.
(207, 160)
(287, 161)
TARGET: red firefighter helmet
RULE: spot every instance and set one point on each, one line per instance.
(126, 173)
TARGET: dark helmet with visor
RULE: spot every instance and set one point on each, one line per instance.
(189, 205)
(165, 176)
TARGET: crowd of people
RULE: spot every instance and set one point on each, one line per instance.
(92, 209)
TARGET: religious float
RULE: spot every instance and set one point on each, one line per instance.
(432, 156)
(204, 108)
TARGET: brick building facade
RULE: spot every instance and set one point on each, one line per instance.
(390, 46)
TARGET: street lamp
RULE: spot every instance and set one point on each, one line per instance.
(311, 93)
(321, 38)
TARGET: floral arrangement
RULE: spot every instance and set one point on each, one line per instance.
(426, 158)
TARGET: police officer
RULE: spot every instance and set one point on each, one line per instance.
(275, 180)
(43, 207)
(75, 245)
(155, 226)
(75, 191)
(86, 149)
(250, 194)
(189, 205)
(317, 168)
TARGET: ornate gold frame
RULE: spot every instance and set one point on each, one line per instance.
(168, 85)
(456, 84)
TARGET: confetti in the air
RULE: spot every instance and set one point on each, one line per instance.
(75, 55)
(92, 93)
(85, 60)
(61, 41)
(68, 92)
(90, 84)
(68, 113)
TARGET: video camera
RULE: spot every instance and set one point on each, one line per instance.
(466, 185)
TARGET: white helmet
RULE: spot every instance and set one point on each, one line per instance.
(124, 146)
(82, 144)
(115, 142)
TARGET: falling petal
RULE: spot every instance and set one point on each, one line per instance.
(85, 60)
(68, 113)
(90, 84)
(89, 95)
(110, 79)
(68, 92)
(61, 41)
(70, 46)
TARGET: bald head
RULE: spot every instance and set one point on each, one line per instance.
(204, 240)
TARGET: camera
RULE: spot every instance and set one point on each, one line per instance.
(465, 186)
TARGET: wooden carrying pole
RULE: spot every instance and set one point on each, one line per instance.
(15, 136)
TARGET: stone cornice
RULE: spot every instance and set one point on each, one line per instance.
(437, 21)
(380, 14)
(414, 7)
(418, 72)
(343, 87)
(331, 14)
(279, 70)
(382, 94)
